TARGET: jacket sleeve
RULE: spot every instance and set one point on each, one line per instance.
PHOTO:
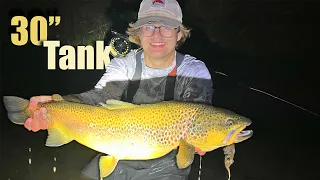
(111, 85)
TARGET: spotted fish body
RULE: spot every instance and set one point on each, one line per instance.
(126, 131)
(145, 131)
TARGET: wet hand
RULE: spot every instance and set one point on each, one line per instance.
(39, 120)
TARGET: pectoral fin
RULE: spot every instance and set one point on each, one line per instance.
(107, 165)
(56, 137)
(185, 154)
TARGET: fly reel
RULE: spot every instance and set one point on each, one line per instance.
(120, 45)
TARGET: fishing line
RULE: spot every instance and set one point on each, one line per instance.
(30, 168)
(200, 167)
(54, 169)
(121, 46)
(268, 94)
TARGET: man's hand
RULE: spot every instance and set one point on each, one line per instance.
(39, 120)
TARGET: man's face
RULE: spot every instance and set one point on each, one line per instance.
(159, 43)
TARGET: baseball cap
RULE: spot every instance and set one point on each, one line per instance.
(167, 12)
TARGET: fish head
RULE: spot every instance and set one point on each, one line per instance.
(233, 129)
(218, 127)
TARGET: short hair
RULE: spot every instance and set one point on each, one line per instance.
(134, 37)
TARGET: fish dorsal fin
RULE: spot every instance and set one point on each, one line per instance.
(56, 137)
(112, 104)
(57, 97)
(106, 165)
(185, 154)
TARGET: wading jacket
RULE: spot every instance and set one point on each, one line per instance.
(192, 82)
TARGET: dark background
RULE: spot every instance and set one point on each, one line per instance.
(270, 45)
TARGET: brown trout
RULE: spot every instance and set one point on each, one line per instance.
(125, 131)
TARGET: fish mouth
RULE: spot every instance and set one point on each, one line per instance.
(239, 134)
(243, 134)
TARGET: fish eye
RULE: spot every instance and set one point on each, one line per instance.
(229, 122)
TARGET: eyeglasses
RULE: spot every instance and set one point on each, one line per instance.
(165, 31)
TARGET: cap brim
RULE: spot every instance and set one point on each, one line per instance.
(156, 19)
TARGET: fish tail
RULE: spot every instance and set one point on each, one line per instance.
(16, 108)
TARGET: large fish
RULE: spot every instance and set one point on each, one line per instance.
(125, 131)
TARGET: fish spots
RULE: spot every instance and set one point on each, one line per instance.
(157, 125)
(198, 131)
(92, 125)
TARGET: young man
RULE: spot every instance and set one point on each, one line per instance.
(155, 73)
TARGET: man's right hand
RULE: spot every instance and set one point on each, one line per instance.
(39, 120)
